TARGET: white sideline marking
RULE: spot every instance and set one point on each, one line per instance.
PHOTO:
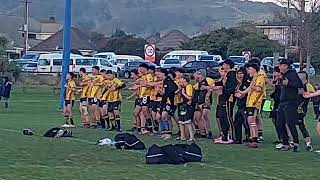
(142, 152)
(50, 100)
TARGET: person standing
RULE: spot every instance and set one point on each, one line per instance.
(7, 86)
(276, 99)
(287, 111)
(226, 102)
(240, 118)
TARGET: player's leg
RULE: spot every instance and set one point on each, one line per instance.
(304, 132)
(84, 113)
(252, 120)
(197, 118)
(136, 116)
(291, 118)
(229, 116)
(116, 111)
(206, 118)
(238, 121)
(70, 114)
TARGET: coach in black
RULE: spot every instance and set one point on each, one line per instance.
(287, 112)
(226, 102)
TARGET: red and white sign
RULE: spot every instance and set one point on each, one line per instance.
(150, 52)
(247, 55)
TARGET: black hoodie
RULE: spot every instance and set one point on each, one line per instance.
(289, 93)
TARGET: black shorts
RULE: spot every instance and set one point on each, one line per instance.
(185, 113)
(156, 107)
(67, 102)
(93, 101)
(102, 103)
(144, 102)
(252, 111)
(82, 100)
(205, 106)
(113, 106)
(151, 104)
(170, 109)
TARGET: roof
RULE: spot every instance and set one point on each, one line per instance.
(171, 40)
(279, 23)
(79, 41)
(11, 25)
(153, 38)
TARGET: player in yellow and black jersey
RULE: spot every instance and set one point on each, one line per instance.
(85, 87)
(114, 100)
(70, 89)
(103, 104)
(95, 94)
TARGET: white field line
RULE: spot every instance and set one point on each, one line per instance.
(141, 152)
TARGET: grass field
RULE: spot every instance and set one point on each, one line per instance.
(35, 157)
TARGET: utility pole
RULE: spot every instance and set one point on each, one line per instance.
(26, 26)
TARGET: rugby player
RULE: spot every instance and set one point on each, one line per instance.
(70, 97)
(85, 85)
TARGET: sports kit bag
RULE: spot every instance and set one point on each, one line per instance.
(174, 154)
(128, 141)
(58, 132)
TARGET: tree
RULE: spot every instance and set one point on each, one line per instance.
(232, 41)
(7, 67)
(122, 43)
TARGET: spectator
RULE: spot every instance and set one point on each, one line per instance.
(1, 89)
(7, 85)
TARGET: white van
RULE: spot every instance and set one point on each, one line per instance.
(184, 56)
(53, 62)
(89, 62)
(106, 55)
(121, 60)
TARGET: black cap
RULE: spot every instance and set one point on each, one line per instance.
(254, 66)
(277, 69)
(229, 62)
(286, 61)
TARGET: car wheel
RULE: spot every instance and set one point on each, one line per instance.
(127, 75)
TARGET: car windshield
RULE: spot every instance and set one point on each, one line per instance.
(122, 61)
(185, 57)
(31, 65)
(86, 62)
(207, 58)
(104, 56)
(104, 62)
(29, 56)
(171, 61)
(238, 59)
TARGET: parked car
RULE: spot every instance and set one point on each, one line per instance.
(130, 66)
(106, 55)
(239, 61)
(212, 68)
(121, 60)
(30, 57)
(30, 67)
(216, 58)
(52, 62)
(184, 56)
(170, 63)
(267, 63)
(312, 71)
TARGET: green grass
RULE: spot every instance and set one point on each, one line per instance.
(35, 157)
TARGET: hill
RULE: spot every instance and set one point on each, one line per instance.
(144, 17)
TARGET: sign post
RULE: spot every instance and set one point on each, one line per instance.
(150, 52)
(247, 55)
(66, 49)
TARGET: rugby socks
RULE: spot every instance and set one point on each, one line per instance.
(103, 122)
(107, 121)
(71, 120)
(66, 119)
(118, 123)
(149, 124)
(162, 126)
(156, 126)
(260, 133)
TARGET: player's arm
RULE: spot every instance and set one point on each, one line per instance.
(310, 95)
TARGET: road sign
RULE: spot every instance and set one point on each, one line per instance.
(150, 52)
(247, 55)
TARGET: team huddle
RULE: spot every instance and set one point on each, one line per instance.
(164, 97)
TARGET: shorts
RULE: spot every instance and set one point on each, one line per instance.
(205, 106)
(136, 102)
(93, 101)
(102, 103)
(83, 100)
(252, 111)
(170, 109)
(113, 106)
(185, 113)
(156, 107)
(151, 104)
(143, 102)
(67, 102)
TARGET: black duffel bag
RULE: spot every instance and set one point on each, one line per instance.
(128, 141)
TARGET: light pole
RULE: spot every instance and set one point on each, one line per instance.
(66, 49)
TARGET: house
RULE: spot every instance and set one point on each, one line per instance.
(283, 32)
(11, 28)
(79, 41)
(171, 41)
